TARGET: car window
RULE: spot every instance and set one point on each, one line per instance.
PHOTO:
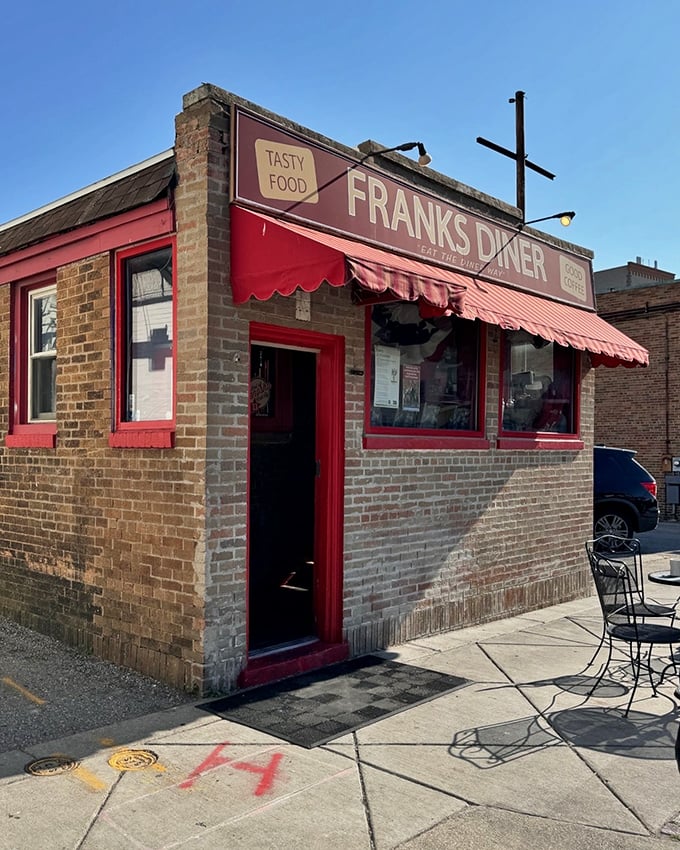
(606, 469)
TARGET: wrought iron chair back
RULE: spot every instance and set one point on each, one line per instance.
(615, 589)
(624, 613)
(626, 549)
(626, 552)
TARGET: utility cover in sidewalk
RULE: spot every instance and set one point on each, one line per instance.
(128, 759)
(51, 766)
(314, 708)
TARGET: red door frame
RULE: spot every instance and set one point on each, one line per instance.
(329, 484)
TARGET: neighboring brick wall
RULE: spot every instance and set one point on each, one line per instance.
(638, 408)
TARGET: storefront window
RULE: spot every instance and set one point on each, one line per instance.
(424, 372)
(538, 385)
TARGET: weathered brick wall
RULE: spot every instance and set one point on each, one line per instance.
(637, 408)
(202, 200)
(48, 576)
(140, 555)
(433, 540)
(105, 548)
(439, 540)
(98, 544)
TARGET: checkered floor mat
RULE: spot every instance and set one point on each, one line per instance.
(312, 709)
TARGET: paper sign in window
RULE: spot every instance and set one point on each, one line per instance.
(386, 392)
(410, 388)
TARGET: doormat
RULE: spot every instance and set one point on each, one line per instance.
(316, 707)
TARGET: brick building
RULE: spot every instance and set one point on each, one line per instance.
(257, 414)
(638, 409)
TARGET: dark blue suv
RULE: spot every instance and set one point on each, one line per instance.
(624, 494)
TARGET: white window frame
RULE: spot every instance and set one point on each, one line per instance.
(33, 355)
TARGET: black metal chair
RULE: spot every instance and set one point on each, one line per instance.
(624, 614)
(628, 550)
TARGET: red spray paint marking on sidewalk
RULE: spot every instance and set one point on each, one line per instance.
(267, 773)
(215, 759)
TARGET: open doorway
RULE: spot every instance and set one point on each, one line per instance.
(282, 482)
(295, 504)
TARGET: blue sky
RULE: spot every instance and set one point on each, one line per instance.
(90, 89)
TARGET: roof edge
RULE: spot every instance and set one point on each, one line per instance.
(93, 187)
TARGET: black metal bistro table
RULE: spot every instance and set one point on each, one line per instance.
(664, 577)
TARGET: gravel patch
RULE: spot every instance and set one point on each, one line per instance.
(65, 691)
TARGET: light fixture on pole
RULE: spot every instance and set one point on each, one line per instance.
(565, 219)
(423, 159)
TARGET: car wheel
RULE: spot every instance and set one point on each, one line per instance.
(612, 522)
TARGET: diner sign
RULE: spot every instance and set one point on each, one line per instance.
(281, 171)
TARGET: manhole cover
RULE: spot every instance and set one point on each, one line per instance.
(51, 766)
(132, 759)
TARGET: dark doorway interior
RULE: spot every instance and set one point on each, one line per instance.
(282, 476)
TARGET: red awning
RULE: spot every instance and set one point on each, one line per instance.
(269, 255)
(552, 320)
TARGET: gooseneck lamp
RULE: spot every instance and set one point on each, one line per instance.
(565, 219)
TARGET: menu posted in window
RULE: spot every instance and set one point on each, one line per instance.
(386, 391)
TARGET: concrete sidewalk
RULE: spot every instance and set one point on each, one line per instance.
(520, 758)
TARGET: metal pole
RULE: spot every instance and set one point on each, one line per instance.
(519, 154)
(520, 151)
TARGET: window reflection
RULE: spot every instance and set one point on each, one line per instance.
(424, 372)
(148, 372)
(538, 385)
(42, 355)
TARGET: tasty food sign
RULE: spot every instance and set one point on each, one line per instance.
(281, 171)
(285, 172)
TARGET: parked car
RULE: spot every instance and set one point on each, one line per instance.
(624, 494)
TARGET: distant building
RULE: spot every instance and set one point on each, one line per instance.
(635, 275)
(639, 408)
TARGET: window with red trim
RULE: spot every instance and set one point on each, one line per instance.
(34, 365)
(424, 376)
(145, 346)
(539, 387)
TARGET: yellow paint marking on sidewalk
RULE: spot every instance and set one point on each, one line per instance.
(12, 684)
(88, 778)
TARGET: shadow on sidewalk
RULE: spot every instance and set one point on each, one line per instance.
(608, 730)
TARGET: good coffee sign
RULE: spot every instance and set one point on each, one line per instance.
(281, 171)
